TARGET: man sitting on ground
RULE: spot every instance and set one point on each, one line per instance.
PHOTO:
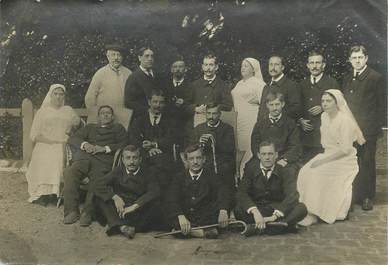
(197, 197)
(126, 197)
(268, 193)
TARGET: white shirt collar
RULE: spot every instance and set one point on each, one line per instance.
(269, 172)
(278, 78)
(359, 72)
(275, 118)
(193, 174)
(177, 82)
(134, 173)
(151, 115)
(117, 71)
(317, 78)
(210, 79)
(147, 72)
(214, 126)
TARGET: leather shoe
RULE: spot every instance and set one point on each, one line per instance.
(85, 220)
(127, 231)
(367, 204)
(251, 230)
(71, 218)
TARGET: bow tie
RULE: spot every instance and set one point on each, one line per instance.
(274, 120)
(195, 177)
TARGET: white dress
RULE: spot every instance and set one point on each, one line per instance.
(242, 94)
(45, 170)
(326, 190)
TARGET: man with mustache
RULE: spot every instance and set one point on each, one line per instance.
(95, 146)
(280, 83)
(312, 89)
(127, 196)
(197, 197)
(154, 132)
(210, 88)
(221, 135)
(140, 84)
(280, 129)
(364, 90)
(179, 97)
(107, 86)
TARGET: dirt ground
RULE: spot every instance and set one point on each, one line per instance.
(31, 234)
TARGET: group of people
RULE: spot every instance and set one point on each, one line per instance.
(156, 152)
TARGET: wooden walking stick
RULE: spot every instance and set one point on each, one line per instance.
(232, 222)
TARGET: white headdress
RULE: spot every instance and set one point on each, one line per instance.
(47, 100)
(256, 67)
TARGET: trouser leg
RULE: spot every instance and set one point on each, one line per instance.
(73, 176)
(365, 183)
(108, 210)
(296, 214)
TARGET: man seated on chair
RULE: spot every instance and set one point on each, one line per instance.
(154, 132)
(96, 145)
(127, 196)
(197, 197)
(217, 140)
(267, 193)
(280, 129)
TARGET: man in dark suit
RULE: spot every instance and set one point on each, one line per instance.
(127, 196)
(197, 197)
(280, 83)
(364, 92)
(311, 94)
(96, 145)
(210, 88)
(140, 84)
(268, 193)
(218, 135)
(280, 129)
(179, 94)
(154, 132)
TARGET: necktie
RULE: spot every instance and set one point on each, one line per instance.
(155, 120)
(356, 76)
(195, 177)
(273, 83)
(266, 172)
(274, 120)
(314, 80)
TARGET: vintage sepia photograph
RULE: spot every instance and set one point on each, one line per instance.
(183, 132)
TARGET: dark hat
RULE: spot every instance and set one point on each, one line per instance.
(114, 47)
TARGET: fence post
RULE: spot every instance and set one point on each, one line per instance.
(27, 117)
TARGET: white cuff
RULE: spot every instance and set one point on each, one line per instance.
(250, 209)
(82, 145)
(278, 213)
(107, 149)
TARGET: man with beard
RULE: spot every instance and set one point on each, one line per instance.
(107, 86)
(197, 197)
(364, 91)
(312, 89)
(280, 129)
(209, 88)
(140, 84)
(96, 145)
(217, 140)
(127, 196)
(154, 132)
(280, 83)
(179, 97)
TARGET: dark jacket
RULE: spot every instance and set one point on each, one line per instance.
(367, 101)
(311, 96)
(137, 89)
(291, 93)
(114, 136)
(284, 133)
(140, 188)
(163, 133)
(197, 198)
(279, 191)
(217, 91)
(224, 147)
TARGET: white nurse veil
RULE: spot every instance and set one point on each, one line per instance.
(256, 67)
(344, 108)
(47, 100)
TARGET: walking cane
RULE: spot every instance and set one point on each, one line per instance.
(232, 222)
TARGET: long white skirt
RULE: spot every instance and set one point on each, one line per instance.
(45, 171)
(327, 189)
